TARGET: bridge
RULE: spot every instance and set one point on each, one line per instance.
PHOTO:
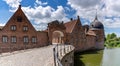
(52, 55)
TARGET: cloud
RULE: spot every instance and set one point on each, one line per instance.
(84, 4)
(112, 23)
(13, 4)
(38, 2)
(2, 24)
(39, 13)
(43, 13)
(40, 26)
(84, 8)
(105, 8)
(46, 14)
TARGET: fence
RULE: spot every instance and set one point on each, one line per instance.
(60, 50)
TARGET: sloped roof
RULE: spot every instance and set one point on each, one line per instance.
(46, 30)
(19, 13)
(1, 27)
(70, 26)
(90, 33)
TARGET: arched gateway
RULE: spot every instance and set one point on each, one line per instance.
(56, 32)
(57, 37)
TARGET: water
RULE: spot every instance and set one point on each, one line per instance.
(106, 57)
(111, 57)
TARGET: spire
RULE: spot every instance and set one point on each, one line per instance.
(96, 16)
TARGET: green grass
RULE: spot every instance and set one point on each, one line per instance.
(88, 58)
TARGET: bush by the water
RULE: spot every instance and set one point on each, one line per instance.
(112, 41)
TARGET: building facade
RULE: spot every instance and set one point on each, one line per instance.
(19, 34)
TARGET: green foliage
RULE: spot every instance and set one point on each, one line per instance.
(112, 41)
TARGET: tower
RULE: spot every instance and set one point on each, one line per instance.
(98, 29)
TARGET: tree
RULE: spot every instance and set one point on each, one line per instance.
(112, 40)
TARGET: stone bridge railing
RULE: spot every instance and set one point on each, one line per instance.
(60, 50)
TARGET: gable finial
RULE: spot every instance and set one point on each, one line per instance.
(78, 17)
(19, 6)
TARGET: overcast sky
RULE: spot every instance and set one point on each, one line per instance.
(41, 12)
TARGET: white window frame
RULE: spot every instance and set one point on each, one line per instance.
(13, 39)
(4, 39)
(34, 40)
(25, 39)
(13, 27)
(25, 28)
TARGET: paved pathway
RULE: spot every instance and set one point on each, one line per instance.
(32, 57)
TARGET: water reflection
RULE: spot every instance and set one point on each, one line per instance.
(111, 57)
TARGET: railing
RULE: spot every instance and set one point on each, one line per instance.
(59, 51)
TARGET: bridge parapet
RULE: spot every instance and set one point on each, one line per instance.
(60, 51)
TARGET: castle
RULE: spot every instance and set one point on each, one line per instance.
(19, 34)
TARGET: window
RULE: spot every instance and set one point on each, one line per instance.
(13, 27)
(4, 39)
(25, 28)
(13, 39)
(25, 39)
(34, 39)
(19, 19)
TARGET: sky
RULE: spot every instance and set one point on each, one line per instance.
(41, 12)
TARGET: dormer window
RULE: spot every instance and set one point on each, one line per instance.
(13, 27)
(19, 19)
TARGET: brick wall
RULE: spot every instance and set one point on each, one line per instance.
(19, 20)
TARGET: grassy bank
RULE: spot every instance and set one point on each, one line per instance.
(88, 58)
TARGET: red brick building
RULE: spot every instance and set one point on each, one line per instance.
(19, 34)
(72, 32)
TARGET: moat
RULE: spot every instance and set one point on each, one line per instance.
(106, 57)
